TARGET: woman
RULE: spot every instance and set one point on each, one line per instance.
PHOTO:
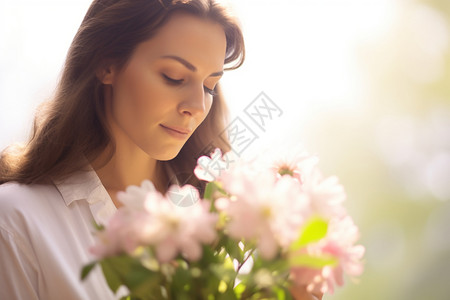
(139, 98)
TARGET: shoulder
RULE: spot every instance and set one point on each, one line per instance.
(14, 193)
(19, 200)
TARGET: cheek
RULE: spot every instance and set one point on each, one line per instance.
(137, 102)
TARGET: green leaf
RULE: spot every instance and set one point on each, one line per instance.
(239, 289)
(314, 230)
(143, 282)
(227, 295)
(224, 271)
(87, 269)
(278, 265)
(181, 278)
(98, 227)
(305, 260)
(209, 189)
(280, 292)
(112, 277)
(249, 244)
(233, 249)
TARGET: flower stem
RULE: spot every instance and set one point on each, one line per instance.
(245, 259)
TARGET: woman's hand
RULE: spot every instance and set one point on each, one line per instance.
(300, 293)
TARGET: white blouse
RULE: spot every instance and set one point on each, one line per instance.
(45, 234)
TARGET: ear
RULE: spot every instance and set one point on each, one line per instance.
(106, 73)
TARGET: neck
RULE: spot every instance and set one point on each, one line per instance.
(126, 167)
(124, 170)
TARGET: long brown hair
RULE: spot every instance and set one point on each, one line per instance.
(72, 124)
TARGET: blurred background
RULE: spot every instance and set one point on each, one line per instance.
(363, 84)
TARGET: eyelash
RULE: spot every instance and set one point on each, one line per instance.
(174, 81)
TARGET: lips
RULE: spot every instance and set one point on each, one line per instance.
(178, 129)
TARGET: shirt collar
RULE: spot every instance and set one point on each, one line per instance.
(86, 185)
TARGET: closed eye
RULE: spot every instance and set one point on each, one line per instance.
(212, 92)
(171, 80)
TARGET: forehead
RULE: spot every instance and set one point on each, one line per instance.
(199, 41)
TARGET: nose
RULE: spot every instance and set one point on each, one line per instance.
(194, 103)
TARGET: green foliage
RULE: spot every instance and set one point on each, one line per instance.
(313, 261)
(314, 230)
(125, 270)
(87, 269)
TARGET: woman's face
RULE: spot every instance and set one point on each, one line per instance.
(167, 83)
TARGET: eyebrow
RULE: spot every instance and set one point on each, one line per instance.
(189, 65)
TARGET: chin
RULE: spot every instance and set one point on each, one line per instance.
(169, 154)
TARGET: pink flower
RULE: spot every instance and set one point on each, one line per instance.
(209, 168)
(150, 219)
(325, 195)
(299, 166)
(134, 196)
(122, 233)
(179, 229)
(262, 208)
(271, 198)
(270, 201)
(339, 243)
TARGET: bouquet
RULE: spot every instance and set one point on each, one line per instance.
(261, 227)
